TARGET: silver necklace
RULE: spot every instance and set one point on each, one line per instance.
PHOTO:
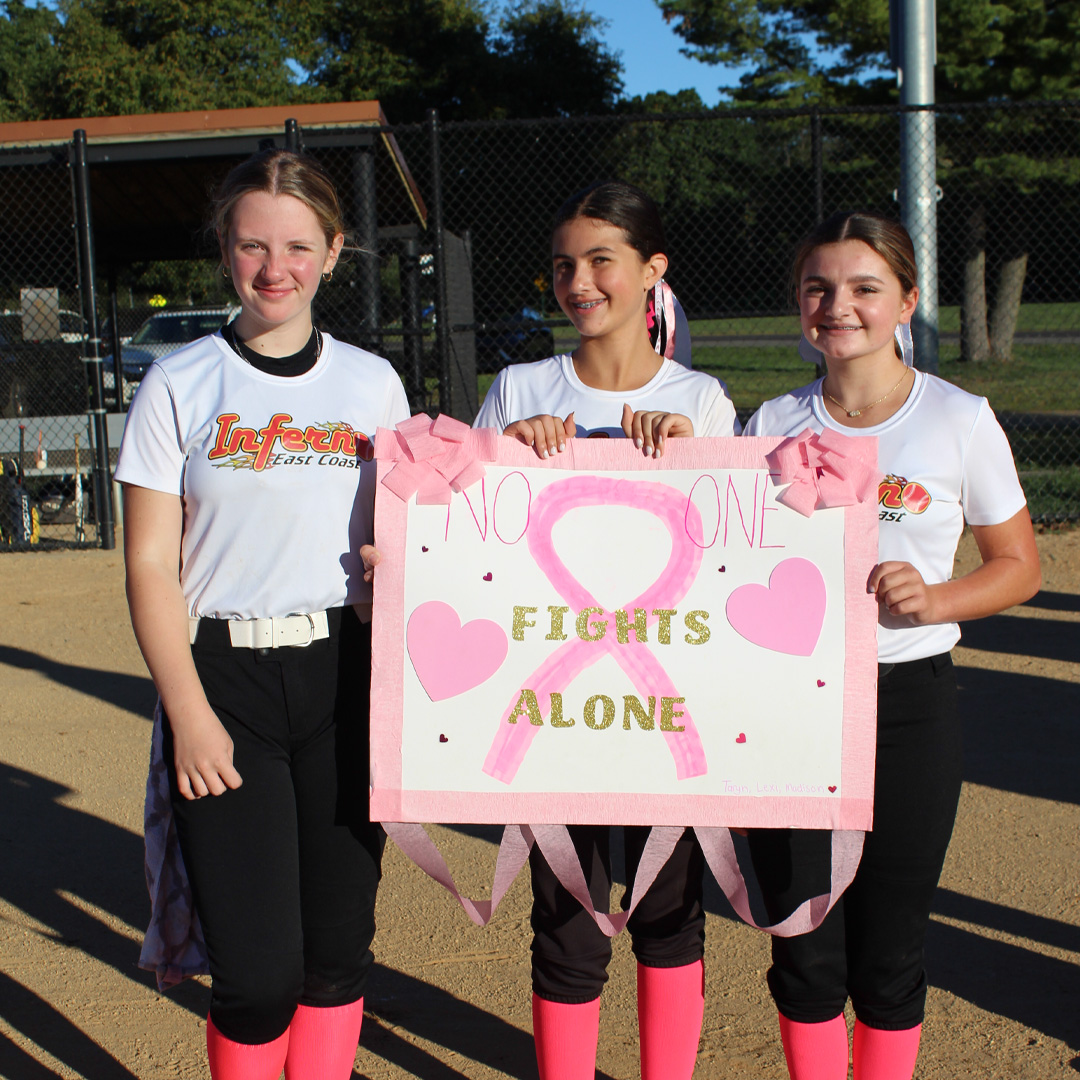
(235, 342)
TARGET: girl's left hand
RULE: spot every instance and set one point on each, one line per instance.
(371, 558)
(650, 429)
(901, 589)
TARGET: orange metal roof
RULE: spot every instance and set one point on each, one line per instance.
(185, 125)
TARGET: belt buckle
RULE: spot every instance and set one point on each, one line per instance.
(311, 628)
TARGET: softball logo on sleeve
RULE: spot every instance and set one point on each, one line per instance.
(333, 443)
(899, 497)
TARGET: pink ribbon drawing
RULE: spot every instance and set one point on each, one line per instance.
(681, 518)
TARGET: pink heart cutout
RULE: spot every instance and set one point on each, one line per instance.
(450, 658)
(741, 738)
(832, 787)
(787, 615)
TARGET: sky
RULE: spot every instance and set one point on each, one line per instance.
(650, 52)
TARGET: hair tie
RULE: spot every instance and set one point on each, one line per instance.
(669, 332)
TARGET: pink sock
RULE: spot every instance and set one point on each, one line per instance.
(884, 1055)
(815, 1051)
(241, 1061)
(670, 1006)
(566, 1037)
(322, 1042)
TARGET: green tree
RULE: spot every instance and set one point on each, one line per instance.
(551, 61)
(835, 52)
(544, 58)
(119, 56)
(27, 60)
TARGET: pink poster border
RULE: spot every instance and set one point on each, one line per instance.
(851, 809)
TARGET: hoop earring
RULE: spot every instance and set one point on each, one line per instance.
(224, 271)
(329, 275)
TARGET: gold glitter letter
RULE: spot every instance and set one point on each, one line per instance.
(632, 706)
(695, 623)
(556, 713)
(520, 622)
(527, 706)
(596, 631)
(668, 712)
(557, 633)
(663, 631)
(622, 628)
(590, 712)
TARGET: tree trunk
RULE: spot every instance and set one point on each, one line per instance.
(974, 339)
(1007, 305)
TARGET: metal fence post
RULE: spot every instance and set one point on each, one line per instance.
(115, 344)
(918, 165)
(367, 239)
(817, 165)
(292, 136)
(442, 306)
(84, 237)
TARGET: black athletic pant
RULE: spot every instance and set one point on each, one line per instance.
(870, 946)
(667, 929)
(284, 868)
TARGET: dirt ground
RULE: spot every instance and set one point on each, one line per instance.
(448, 1000)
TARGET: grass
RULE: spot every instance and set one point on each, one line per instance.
(1041, 379)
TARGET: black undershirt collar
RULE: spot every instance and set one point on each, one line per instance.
(299, 363)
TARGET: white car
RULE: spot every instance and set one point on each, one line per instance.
(164, 333)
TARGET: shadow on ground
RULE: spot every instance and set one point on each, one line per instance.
(48, 852)
(133, 693)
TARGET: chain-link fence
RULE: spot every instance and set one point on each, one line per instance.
(448, 272)
(46, 446)
(738, 189)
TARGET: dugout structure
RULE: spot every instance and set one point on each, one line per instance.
(89, 205)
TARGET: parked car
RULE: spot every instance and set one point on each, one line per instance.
(164, 333)
(517, 338)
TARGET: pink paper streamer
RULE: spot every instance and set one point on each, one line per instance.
(830, 469)
(558, 850)
(681, 519)
(720, 854)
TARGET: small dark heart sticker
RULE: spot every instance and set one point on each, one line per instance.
(487, 576)
(723, 569)
(821, 682)
(422, 548)
(443, 738)
(832, 787)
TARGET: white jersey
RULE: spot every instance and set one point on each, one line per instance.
(946, 460)
(275, 473)
(552, 386)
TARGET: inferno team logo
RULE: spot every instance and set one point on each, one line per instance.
(330, 443)
(898, 496)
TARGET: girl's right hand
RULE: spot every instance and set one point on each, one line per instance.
(203, 755)
(649, 429)
(546, 434)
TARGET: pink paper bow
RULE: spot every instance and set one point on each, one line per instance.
(823, 470)
(434, 458)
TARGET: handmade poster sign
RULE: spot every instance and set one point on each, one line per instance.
(605, 638)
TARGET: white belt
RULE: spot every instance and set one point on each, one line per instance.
(277, 633)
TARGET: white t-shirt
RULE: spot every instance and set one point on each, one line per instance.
(946, 460)
(274, 473)
(552, 386)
